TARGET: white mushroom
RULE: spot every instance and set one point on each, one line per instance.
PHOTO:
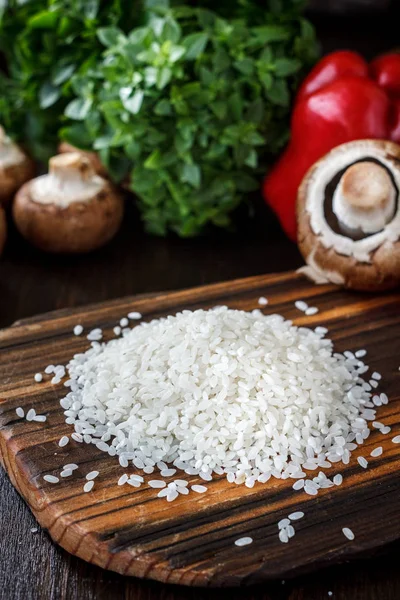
(15, 167)
(71, 209)
(3, 229)
(349, 216)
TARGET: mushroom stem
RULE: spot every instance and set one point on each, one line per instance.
(365, 199)
(72, 165)
(71, 178)
(10, 154)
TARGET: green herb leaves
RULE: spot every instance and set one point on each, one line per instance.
(194, 102)
(185, 107)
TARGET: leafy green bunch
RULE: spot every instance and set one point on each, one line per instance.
(44, 43)
(188, 107)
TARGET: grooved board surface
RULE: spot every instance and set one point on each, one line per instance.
(191, 541)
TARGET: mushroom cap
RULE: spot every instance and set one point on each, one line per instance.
(3, 229)
(80, 226)
(93, 157)
(13, 176)
(371, 263)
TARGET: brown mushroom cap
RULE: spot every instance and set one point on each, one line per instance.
(333, 255)
(3, 229)
(14, 175)
(80, 226)
(93, 157)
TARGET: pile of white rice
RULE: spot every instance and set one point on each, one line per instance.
(222, 391)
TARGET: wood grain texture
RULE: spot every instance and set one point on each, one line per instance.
(191, 541)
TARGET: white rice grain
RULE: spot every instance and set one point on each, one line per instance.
(377, 451)
(199, 489)
(134, 316)
(301, 305)
(244, 541)
(88, 486)
(296, 515)
(51, 479)
(347, 532)
(220, 391)
(30, 414)
(157, 484)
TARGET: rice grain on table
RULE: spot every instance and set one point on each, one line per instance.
(377, 451)
(347, 532)
(51, 478)
(199, 489)
(30, 414)
(338, 479)
(220, 391)
(301, 305)
(88, 486)
(135, 316)
(296, 515)
(244, 541)
(157, 483)
(66, 473)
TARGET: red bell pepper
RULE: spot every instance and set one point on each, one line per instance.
(343, 99)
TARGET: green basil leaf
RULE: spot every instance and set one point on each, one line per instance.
(47, 19)
(171, 31)
(219, 108)
(78, 109)
(195, 45)
(252, 159)
(286, 66)
(48, 95)
(176, 53)
(191, 174)
(91, 8)
(109, 36)
(62, 73)
(163, 77)
(245, 66)
(163, 108)
(271, 33)
(279, 93)
(267, 80)
(133, 104)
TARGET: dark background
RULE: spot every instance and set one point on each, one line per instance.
(31, 566)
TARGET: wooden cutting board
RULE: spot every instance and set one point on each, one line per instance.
(191, 541)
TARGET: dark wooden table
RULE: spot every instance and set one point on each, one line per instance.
(31, 566)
